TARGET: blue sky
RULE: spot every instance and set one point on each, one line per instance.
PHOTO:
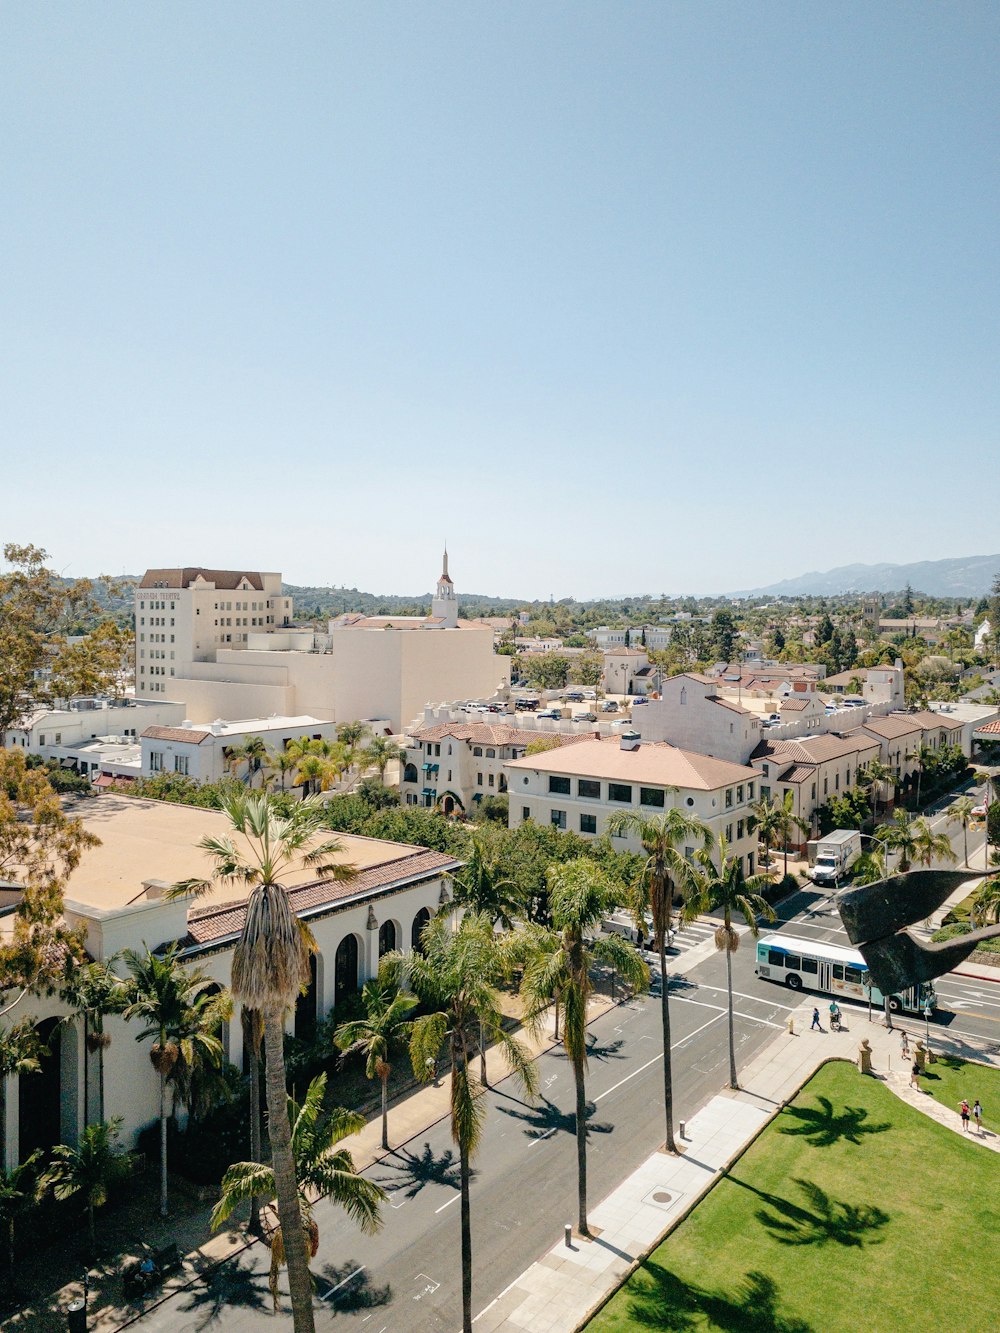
(616, 297)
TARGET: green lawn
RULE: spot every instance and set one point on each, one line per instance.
(852, 1212)
(948, 1080)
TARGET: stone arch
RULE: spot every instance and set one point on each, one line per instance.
(345, 968)
(410, 773)
(419, 921)
(388, 937)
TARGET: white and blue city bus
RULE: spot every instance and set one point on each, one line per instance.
(834, 970)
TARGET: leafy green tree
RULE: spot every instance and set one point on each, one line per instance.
(558, 969)
(178, 1011)
(322, 1170)
(455, 978)
(481, 886)
(985, 905)
(18, 1194)
(270, 967)
(930, 846)
(788, 822)
(90, 1170)
(664, 870)
(254, 753)
(722, 886)
(724, 635)
(546, 671)
(961, 812)
(281, 765)
(385, 1027)
(870, 867)
(898, 835)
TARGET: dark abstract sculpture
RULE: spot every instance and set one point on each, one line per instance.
(875, 917)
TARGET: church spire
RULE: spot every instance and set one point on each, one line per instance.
(444, 607)
(444, 567)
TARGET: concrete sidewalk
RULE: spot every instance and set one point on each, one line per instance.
(559, 1292)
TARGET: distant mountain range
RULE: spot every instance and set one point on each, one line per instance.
(964, 576)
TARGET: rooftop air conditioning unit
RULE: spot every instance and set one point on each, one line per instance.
(630, 740)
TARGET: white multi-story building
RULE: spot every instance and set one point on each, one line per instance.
(363, 668)
(203, 753)
(116, 898)
(579, 787)
(692, 714)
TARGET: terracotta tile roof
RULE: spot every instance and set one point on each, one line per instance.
(794, 705)
(892, 727)
(654, 762)
(814, 749)
(731, 704)
(989, 728)
(176, 734)
(797, 773)
(493, 733)
(227, 580)
(208, 925)
(929, 720)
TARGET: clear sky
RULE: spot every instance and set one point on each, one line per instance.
(617, 297)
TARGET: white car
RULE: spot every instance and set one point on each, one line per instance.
(979, 811)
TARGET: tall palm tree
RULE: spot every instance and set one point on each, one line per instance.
(788, 822)
(322, 1170)
(91, 1169)
(352, 734)
(19, 1190)
(721, 885)
(897, 835)
(179, 1012)
(271, 967)
(252, 1025)
(481, 886)
(767, 822)
(664, 869)
(875, 775)
(384, 1028)
(560, 964)
(986, 904)
(315, 773)
(870, 866)
(961, 812)
(923, 755)
(930, 846)
(281, 764)
(378, 754)
(455, 978)
(95, 991)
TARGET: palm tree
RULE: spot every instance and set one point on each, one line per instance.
(961, 812)
(384, 1028)
(95, 990)
(870, 867)
(767, 822)
(559, 966)
(663, 869)
(379, 753)
(923, 755)
(788, 822)
(930, 846)
(178, 1011)
(986, 904)
(270, 968)
(91, 1169)
(875, 775)
(19, 1192)
(281, 764)
(321, 1170)
(253, 752)
(481, 886)
(315, 773)
(352, 734)
(455, 977)
(252, 1025)
(724, 887)
(897, 836)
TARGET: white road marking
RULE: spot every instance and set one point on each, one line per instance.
(446, 1205)
(548, 1133)
(343, 1282)
(743, 996)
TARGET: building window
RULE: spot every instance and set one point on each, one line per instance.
(739, 794)
(765, 793)
(620, 791)
(729, 833)
(156, 761)
(651, 796)
(491, 754)
(739, 828)
(588, 787)
(490, 783)
(525, 812)
(181, 764)
(749, 791)
(559, 786)
(558, 818)
(814, 791)
(729, 798)
(588, 823)
(479, 779)
(477, 750)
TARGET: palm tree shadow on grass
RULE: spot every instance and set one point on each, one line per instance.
(830, 1220)
(230, 1285)
(545, 1116)
(826, 1126)
(663, 1301)
(409, 1172)
(347, 1287)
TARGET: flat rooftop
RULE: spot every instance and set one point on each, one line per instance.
(143, 840)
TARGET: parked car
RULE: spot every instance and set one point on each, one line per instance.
(574, 696)
(526, 705)
(589, 694)
(609, 706)
(550, 712)
(979, 811)
(639, 699)
(585, 717)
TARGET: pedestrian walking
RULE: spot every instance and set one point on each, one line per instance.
(905, 1045)
(977, 1115)
(816, 1023)
(915, 1076)
(963, 1111)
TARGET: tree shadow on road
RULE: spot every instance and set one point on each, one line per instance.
(660, 1299)
(347, 1287)
(229, 1287)
(545, 1116)
(608, 1050)
(825, 1126)
(406, 1171)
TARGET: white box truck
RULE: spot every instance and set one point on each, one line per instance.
(831, 857)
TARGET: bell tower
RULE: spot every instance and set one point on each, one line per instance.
(445, 603)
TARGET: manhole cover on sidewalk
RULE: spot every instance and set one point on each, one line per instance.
(663, 1198)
